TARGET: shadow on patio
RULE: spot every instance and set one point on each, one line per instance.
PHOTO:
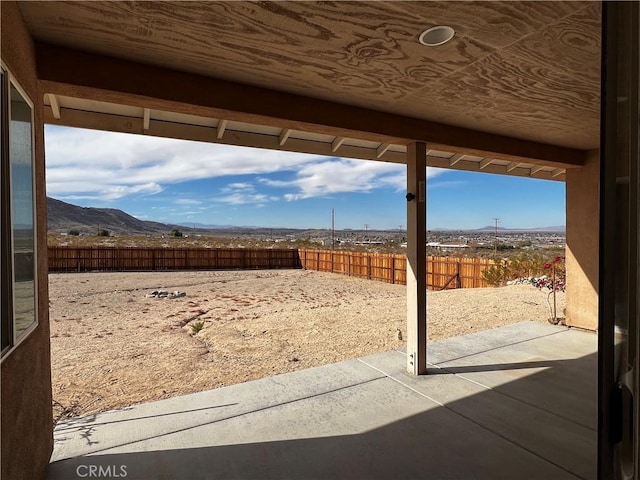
(514, 402)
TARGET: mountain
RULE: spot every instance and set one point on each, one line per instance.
(63, 217)
(207, 226)
(553, 229)
(490, 228)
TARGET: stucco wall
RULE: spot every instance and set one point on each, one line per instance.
(25, 374)
(582, 194)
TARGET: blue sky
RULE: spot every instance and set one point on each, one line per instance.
(175, 181)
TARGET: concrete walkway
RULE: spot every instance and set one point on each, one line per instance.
(518, 402)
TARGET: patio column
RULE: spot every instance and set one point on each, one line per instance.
(416, 258)
(582, 204)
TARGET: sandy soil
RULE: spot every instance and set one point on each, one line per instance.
(112, 346)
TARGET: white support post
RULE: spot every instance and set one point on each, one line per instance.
(417, 258)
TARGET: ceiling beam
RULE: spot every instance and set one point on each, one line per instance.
(337, 143)
(485, 163)
(222, 126)
(512, 166)
(55, 106)
(535, 170)
(125, 82)
(284, 136)
(382, 149)
(455, 159)
(146, 118)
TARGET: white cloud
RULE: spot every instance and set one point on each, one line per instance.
(241, 186)
(243, 194)
(87, 164)
(105, 165)
(240, 198)
(344, 175)
(112, 192)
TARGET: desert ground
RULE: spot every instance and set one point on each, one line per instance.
(112, 345)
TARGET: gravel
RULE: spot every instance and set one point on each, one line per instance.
(114, 344)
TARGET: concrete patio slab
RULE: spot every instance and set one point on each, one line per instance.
(94, 433)
(365, 418)
(520, 420)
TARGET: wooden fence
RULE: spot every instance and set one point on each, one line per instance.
(116, 259)
(442, 272)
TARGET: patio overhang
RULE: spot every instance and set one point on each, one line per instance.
(332, 81)
(78, 112)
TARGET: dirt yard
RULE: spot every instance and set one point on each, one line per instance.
(112, 346)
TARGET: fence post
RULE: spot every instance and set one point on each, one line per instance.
(433, 273)
(318, 261)
(393, 269)
(459, 281)
(427, 271)
(369, 266)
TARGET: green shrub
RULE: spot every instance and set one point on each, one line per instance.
(175, 233)
(525, 265)
(496, 275)
(196, 327)
(73, 232)
(103, 233)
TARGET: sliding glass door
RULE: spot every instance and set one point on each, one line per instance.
(618, 293)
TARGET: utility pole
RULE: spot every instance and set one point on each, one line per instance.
(366, 230)
(495, 245)
(333, 229)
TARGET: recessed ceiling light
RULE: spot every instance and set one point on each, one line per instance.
(437, 35)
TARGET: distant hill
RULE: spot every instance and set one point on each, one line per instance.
(207, 226)
(63, 217)
(490, 228)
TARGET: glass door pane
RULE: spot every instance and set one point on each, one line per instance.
(618, 322)
(22, 208)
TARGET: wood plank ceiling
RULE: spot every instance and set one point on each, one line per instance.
(528, 70)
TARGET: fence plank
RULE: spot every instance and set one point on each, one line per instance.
(393, 268)
(116, 259)
(383, 267)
